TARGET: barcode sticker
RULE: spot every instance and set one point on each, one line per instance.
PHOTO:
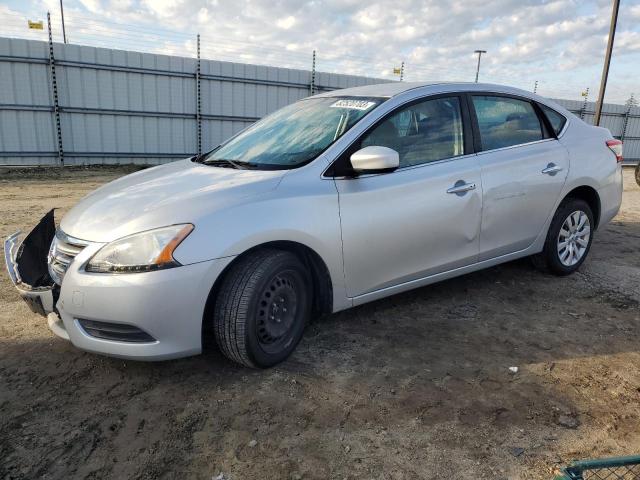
(353, 104)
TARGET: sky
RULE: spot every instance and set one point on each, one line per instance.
(558, 43)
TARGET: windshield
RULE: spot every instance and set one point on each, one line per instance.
(295, 134)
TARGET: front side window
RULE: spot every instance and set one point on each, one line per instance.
(422, 132)
(505, 121)
(295, 134)
(556, 120)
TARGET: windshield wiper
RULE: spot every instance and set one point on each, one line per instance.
(199, 158)
(226, 163)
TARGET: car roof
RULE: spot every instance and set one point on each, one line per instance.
(387, 90)
(391, 89)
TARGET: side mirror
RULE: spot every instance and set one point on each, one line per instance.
(375, 159)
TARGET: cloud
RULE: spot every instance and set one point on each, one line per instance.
(92, 5)
(203, 15)
(558, 42)
(286, 23)
(627, 42)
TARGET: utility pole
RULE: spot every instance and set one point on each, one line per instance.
(64, 33)
(607, 61)
(479, 52)
(535, 87)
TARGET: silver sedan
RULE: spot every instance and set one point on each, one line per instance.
(331, 202)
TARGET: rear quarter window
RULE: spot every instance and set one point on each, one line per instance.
(556, 120)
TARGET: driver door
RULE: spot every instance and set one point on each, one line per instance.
(423, 218)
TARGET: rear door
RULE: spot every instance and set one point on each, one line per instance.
(523, 168)
(423, 218)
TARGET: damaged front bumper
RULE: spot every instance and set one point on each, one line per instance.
(27, 265)
(39, 299)
(154, 315)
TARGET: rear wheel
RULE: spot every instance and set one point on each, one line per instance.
(638, 173)
(568, 239)
(262, 308)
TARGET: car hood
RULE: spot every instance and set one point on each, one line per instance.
(178, 192)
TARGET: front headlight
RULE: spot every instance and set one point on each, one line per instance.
(141, 252)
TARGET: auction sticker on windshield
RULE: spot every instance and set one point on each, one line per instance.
(353, 104)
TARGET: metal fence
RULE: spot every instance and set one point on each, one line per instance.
(623, 122)
(85, 105)
(73, 104)
(618, 468)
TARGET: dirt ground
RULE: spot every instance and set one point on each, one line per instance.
(414, 386)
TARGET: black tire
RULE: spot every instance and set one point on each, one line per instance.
(638, 173)
(262, 308)
(550, 259)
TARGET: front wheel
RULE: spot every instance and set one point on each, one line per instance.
(568, 239)
(262, 307)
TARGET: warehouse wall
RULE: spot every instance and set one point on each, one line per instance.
(127, 107)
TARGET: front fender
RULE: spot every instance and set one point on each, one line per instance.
(308, 216)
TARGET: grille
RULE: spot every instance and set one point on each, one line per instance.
(61, 253)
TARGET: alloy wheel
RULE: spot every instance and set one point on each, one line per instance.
(573, 239)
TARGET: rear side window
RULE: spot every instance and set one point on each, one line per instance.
(556, 120)
(505, 121)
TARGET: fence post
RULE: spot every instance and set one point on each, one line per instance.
(54, 87)
(312, 85)
(626, 118)
(584, 104)
(624, 124)
(198, 103)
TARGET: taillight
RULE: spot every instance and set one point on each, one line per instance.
(616, 147)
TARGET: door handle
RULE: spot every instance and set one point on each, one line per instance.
(552, 169)
(461, 187)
